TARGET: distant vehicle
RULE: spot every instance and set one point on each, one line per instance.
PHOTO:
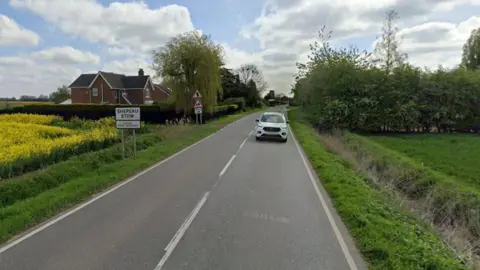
(272, 125)
(271, 102)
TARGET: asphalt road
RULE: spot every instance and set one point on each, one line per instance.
(228, 202)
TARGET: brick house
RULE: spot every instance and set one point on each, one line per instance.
(112, 88)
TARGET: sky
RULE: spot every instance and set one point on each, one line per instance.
(48, 43)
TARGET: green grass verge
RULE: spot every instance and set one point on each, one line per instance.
(31, 210)
(387, 236)
(451, 154)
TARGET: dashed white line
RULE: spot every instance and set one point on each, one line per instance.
(224, 170)
(337, 232)
(181, 231)
(226, 166)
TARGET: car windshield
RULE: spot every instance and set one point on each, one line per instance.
(272, 118)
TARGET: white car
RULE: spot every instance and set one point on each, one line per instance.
(272, 125)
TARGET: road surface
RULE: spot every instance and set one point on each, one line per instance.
(228, 202)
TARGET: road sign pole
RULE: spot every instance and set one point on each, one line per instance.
(201, 118)
(134, 145)
(123, 144)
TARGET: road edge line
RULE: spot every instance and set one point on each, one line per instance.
(181, 231)
(61, 216)
(336, 230)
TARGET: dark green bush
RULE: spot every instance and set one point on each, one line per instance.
(158, 113)
(239, 101)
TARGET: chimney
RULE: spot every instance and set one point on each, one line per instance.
(141, 72)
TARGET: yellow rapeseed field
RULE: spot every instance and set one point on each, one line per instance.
(29, 118)
(17, 133)
(26, 145)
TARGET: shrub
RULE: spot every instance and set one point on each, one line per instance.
(158, 113)
(239, 101)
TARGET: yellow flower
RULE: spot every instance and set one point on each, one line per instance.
(29, 118)
(24, 140)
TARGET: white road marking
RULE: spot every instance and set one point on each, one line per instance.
(97, 197)
(181, 231)
(337, 232)
(224, 170)
(226, 166)
(243, 143)
(268, 217)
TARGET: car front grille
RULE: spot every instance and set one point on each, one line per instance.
(271, 129)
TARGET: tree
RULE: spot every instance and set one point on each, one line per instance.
(252, 72)
(232, 85)
(187, 63)
(251, 76)
(471, 51)
(62, 94)
(386, 51)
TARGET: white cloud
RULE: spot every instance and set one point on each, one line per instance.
(285, 29)
(16, 61)
(13, 34)
(121, 51)
(234, 58)
(34, 79)
(133, 25)
(30, 74)
(129, 67)
(67, 56)
(437, 43)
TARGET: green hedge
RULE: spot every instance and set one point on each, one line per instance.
(240, 102)
(159, 113)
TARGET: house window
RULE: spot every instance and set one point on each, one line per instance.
(95, 92)
(147, 92)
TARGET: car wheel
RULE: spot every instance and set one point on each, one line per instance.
(284, 140)
(257, 138)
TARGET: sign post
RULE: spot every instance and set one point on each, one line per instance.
(198, 107)
(128, 118)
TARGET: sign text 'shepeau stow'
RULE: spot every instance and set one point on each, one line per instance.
(122, 114)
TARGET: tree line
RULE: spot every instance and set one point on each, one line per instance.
(381, 92)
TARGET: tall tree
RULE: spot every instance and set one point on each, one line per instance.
(187, 63)
(386, 51)
(471, 51)
(252, 72)
(232, 85)
(62, 94)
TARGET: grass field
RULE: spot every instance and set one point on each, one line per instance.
(388, 236)
(12, 104)
(455, 155)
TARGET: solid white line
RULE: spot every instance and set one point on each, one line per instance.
(226, 166)
(97, 197)
(181, 231)
(337, 232)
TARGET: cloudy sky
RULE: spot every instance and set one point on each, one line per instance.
(46, 43)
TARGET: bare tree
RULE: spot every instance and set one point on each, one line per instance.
(387, 49)
(252, 72)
